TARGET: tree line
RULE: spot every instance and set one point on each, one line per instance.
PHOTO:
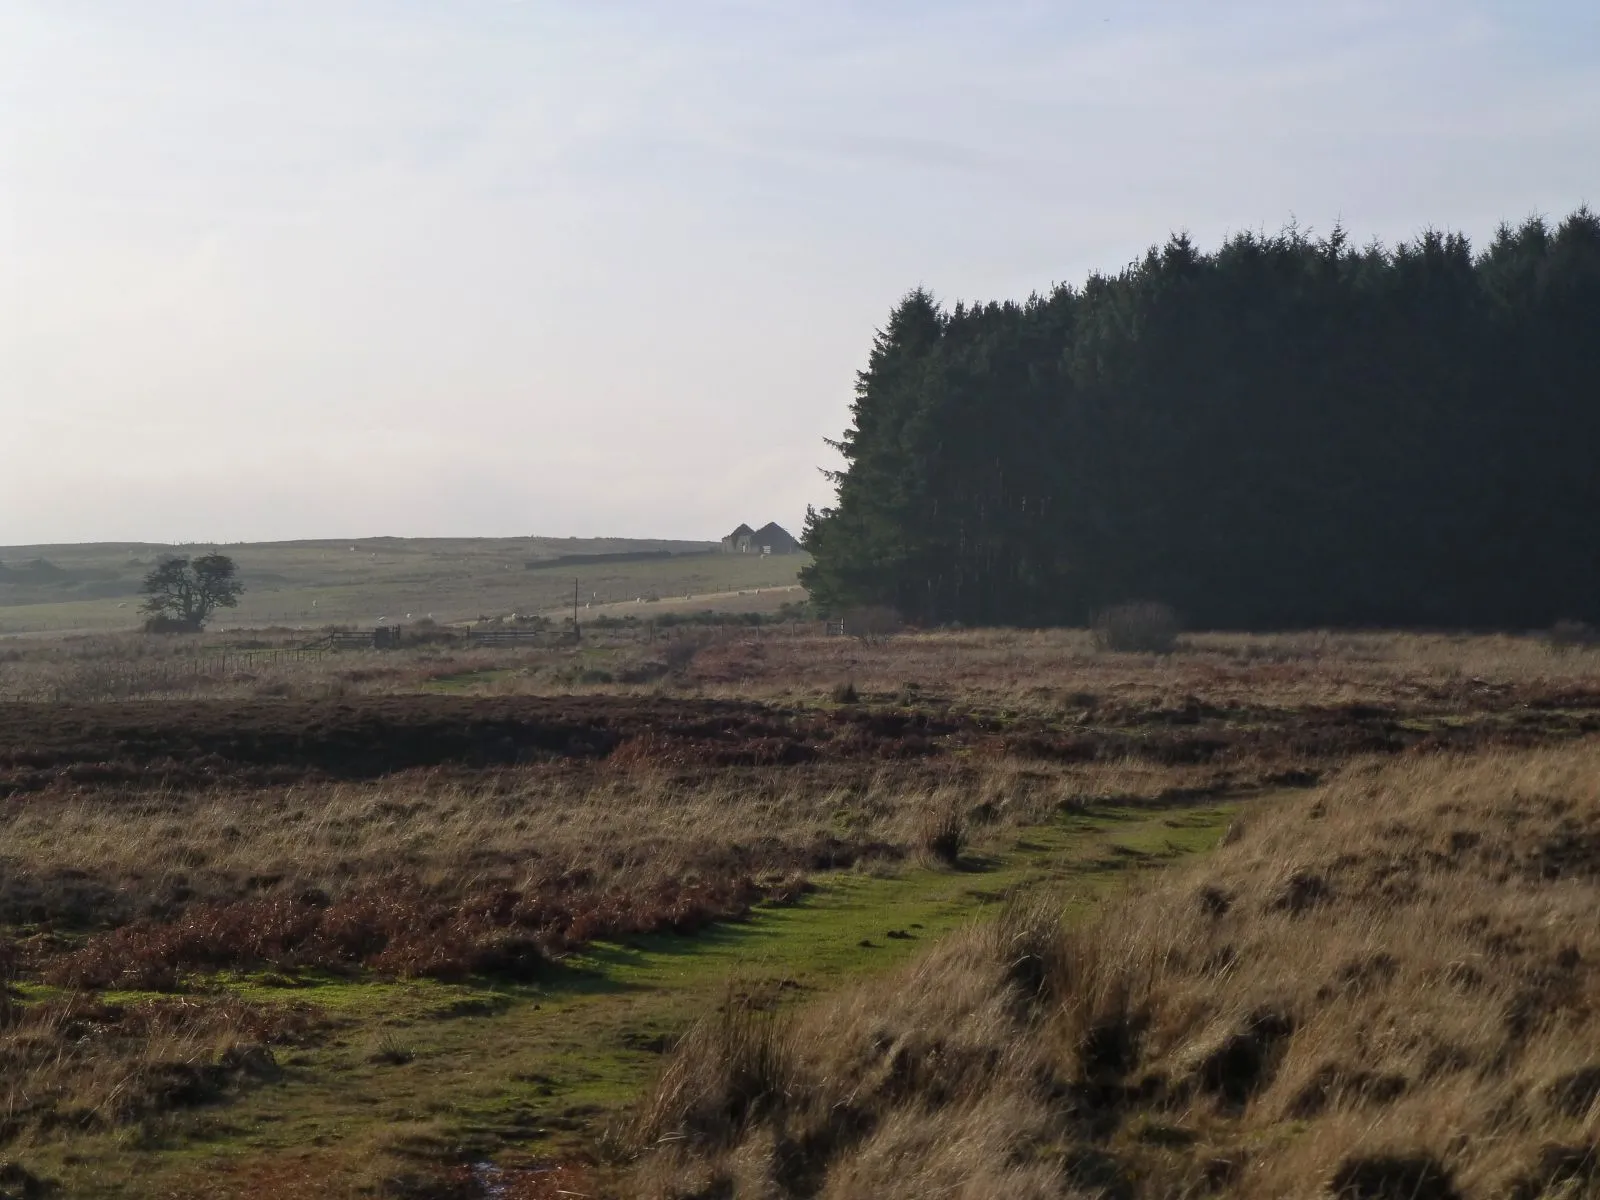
(1288, 431)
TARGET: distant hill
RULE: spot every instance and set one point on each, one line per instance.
(361, 581)
(38, 570)
(37, 580)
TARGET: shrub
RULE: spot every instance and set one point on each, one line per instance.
(1138, 627)
(428, 632)
(871, 622)
(647, 671)
(162, 624)
(845, 693)
(679, 652)
(1572, 635)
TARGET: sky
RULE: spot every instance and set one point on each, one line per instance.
(276, 269)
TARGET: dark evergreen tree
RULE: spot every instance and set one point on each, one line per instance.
(1289, 431)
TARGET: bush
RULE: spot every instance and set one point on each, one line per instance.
(845, 693)
(428, 632)
(871, 622)
(788, 613)
(163, 624)
(647, 671)
(1572, 635)
(1139, 627)
(678, 653)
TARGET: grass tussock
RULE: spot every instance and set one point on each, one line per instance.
(1384, 989)
(730, 1070)
(76, 1064)
(942, 835)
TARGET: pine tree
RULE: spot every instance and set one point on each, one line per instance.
(1287, 431)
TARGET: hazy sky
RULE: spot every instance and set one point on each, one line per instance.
(272, 268)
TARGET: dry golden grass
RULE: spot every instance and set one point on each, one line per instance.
(82, 858)
(147, 886)
(1061, 670)
(135, 666)
(77, 1065)
(1387, 988)
(1401, 964)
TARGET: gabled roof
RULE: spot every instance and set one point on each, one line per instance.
(743, 531)
(773, 530)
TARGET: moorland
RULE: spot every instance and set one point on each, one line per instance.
(736, 907)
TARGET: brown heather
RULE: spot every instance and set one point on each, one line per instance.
(1388, 987)
(1031, 670)
(438, 875)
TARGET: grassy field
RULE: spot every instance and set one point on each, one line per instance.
(1382, 989)
(306, 585)
(747, 910)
